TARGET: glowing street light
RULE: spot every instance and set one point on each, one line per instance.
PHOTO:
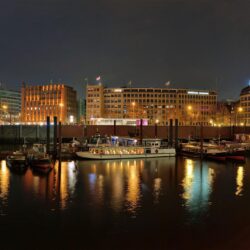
(239, 110)
(189, 107)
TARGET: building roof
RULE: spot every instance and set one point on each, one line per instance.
(245, 91)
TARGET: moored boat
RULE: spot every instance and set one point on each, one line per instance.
(42, 163)
(16, 161)
(123, 152)
(213, 151)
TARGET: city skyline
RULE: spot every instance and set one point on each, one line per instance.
(195, 44)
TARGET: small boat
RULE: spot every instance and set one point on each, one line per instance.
(210, 151)
(16, 161)
(42, 163)
(213, 152)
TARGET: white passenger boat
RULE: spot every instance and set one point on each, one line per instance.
(125, 152)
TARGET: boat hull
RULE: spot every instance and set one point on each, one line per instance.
(41, 165)
(16, 164)
(89, 156)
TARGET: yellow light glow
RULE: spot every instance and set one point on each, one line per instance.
(156, 121)
(240, 109)
(133, 103)
(188, 179)
(5, 107)
(189, 107)
(239, 181)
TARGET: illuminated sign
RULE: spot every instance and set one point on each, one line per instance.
(117, 90)
(197, 93)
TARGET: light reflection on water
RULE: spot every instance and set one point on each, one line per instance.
(4, 187)
(239, 181)
(122, 185)
(197, 185)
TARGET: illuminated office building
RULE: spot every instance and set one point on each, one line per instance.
(10, 105)
(158, 105)
(51, 100)
(243, 111)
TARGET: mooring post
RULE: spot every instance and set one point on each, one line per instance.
(201, 140)
(176, 134)
(55, 136)
(141, 131)
(60, 142)
(59, 160)
(48, 135)
(114, 128)
(170, 138)
(156, 130)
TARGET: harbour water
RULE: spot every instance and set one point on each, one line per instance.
(165, 203)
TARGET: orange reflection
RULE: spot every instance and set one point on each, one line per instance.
(4, 180)
(68, 182)
(239, 181)
(133, 192)
(157, 189)
(188, 179)
(117, 188)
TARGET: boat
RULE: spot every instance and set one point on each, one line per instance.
(210, 151)
(42, 163)
(213, 151)
(125, 152)
(17, 161)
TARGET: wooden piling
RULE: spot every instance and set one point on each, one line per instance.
(55, 137)
(201, 140)
(156, 130)
(141, 131)
(48, 135)
(60, 142)
(176, 134)
(170, 137)
(114, 128)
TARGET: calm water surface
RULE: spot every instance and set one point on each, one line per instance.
(162, 203)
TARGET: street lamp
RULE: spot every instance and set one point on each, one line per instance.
(133, 105)
(156, 128)
(239, 110)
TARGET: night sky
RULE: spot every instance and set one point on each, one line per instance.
(194, 44)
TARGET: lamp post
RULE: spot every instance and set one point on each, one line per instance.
(133, 105)
(156, 128)
(239, 110)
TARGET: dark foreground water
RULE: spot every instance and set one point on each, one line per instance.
(162, 203)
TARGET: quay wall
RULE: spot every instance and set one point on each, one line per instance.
(18, 132)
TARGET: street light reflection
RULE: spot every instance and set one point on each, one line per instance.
(239, 181)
